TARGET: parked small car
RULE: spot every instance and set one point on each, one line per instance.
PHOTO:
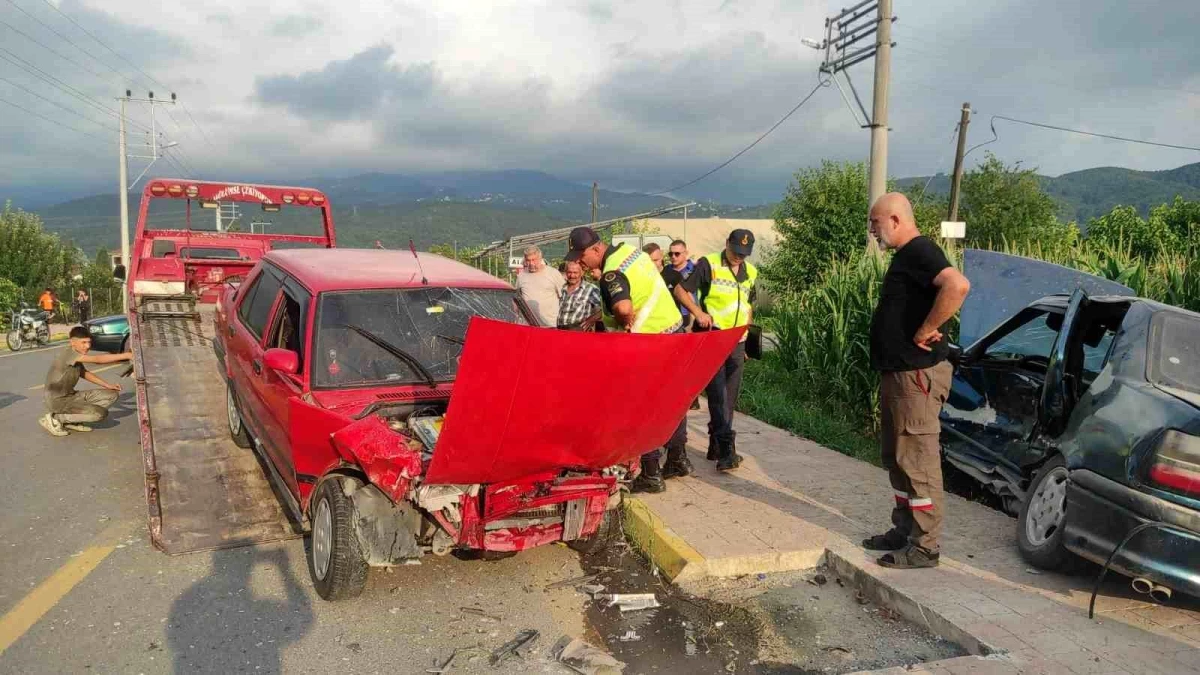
(109, 333)
(1083, 414)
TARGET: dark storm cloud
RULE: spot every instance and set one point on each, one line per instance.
(295, 25)
(144, 46)
(353, 88)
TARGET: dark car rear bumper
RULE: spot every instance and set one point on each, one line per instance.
(1101, 512)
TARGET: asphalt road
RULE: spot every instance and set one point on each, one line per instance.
(83, 591)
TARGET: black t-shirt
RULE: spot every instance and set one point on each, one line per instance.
(672, 278)
(907, 296)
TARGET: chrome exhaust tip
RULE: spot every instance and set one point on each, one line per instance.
(1143, 586)
(1160, 594)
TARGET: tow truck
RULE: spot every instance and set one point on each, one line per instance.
(400, 404)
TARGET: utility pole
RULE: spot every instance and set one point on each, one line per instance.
(879, 105)
(956, 181)
(871, 21)
(595, 195)
(123, 190)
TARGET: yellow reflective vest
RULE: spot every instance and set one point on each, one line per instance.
(653, 307)
(728, 300)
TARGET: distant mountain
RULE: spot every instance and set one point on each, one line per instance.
(1083, 195)
(470, 207)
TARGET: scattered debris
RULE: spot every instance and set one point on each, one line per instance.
(631, 602)
(476, 611)
(630, 636)
(839, 581)
(592, 589)
(689, 640)
(449, 662)
(719, 624)
(584, 658)
(514, 647)
(818, 580)
(572, 582)
(354, 647)
(860, 598)
(1030, 570)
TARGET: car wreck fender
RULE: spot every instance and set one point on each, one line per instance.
(386, 531)
(390, 460)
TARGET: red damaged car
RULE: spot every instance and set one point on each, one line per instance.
(405, 406)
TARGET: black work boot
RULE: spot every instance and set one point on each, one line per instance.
(714, 449)
(678, 467)
(646, 483)
(727, 460)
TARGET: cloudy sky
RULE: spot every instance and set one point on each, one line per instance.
(636, 94)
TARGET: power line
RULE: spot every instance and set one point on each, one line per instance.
(746, 149)
(53, 51)
(105, 45)
(67, 39)
(996, 136)
(56, 104)
(54, 122)
(54, 81)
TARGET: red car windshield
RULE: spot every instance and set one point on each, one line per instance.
(400, 336)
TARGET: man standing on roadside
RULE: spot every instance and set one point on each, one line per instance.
(70, 410)
(921, 292)
(635, 300)
(580, 299)
(724, 282)
(679, 268)
(541, 286)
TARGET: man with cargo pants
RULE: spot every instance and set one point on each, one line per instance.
(69, 410)
(921, 292)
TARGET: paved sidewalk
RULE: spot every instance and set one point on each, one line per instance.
(794, 502)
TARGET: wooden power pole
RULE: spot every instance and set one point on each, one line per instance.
(956, 180)
(595, 194)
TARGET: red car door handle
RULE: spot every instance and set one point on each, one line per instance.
(257, 366)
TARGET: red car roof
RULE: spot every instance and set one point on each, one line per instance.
(335, 269)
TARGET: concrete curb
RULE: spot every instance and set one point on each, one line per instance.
(673, 556)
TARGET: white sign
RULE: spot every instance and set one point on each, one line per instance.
(953, 230)
(516, 263)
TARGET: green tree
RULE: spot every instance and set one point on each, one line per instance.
(10, 294)
(1182, 218)
(29, 256)
(1006, 204)
(821, 220)
(104, 259)
(1123, 228)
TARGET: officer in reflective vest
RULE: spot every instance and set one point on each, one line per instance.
(725, 283)
(635, 300)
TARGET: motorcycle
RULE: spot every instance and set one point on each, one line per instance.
(28, 325)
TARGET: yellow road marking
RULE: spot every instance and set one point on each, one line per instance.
(42, 599)
(98, 370)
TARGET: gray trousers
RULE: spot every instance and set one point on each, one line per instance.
(89, 405)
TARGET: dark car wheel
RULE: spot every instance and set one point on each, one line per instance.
(1043, 516)
(610, 529)
(335, 561)
(237, 429)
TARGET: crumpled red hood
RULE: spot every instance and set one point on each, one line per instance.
(528, 400)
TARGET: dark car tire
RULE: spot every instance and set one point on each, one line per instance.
(335, 560)
(1041, 523)
(610, 529)
(233, 413)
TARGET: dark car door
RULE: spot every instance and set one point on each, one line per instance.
(993, 402)
(1058, 395)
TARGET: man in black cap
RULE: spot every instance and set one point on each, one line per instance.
(725, 284)
(635, 299)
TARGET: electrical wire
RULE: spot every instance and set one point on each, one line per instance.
(722, 165)
(66, 39)
(54, 122)
(54, 81)
(50, 49)
(56, 104)
(1158, 525)
(996, 136)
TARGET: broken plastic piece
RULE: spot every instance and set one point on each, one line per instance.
(631, 602)
(571, 582)
(584, 658)
(689, 640)
(630, 636)
(514, 647)
(592, 589)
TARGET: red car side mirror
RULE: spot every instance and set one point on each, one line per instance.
(283, 360)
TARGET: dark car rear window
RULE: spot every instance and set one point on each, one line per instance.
(1176, 360)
